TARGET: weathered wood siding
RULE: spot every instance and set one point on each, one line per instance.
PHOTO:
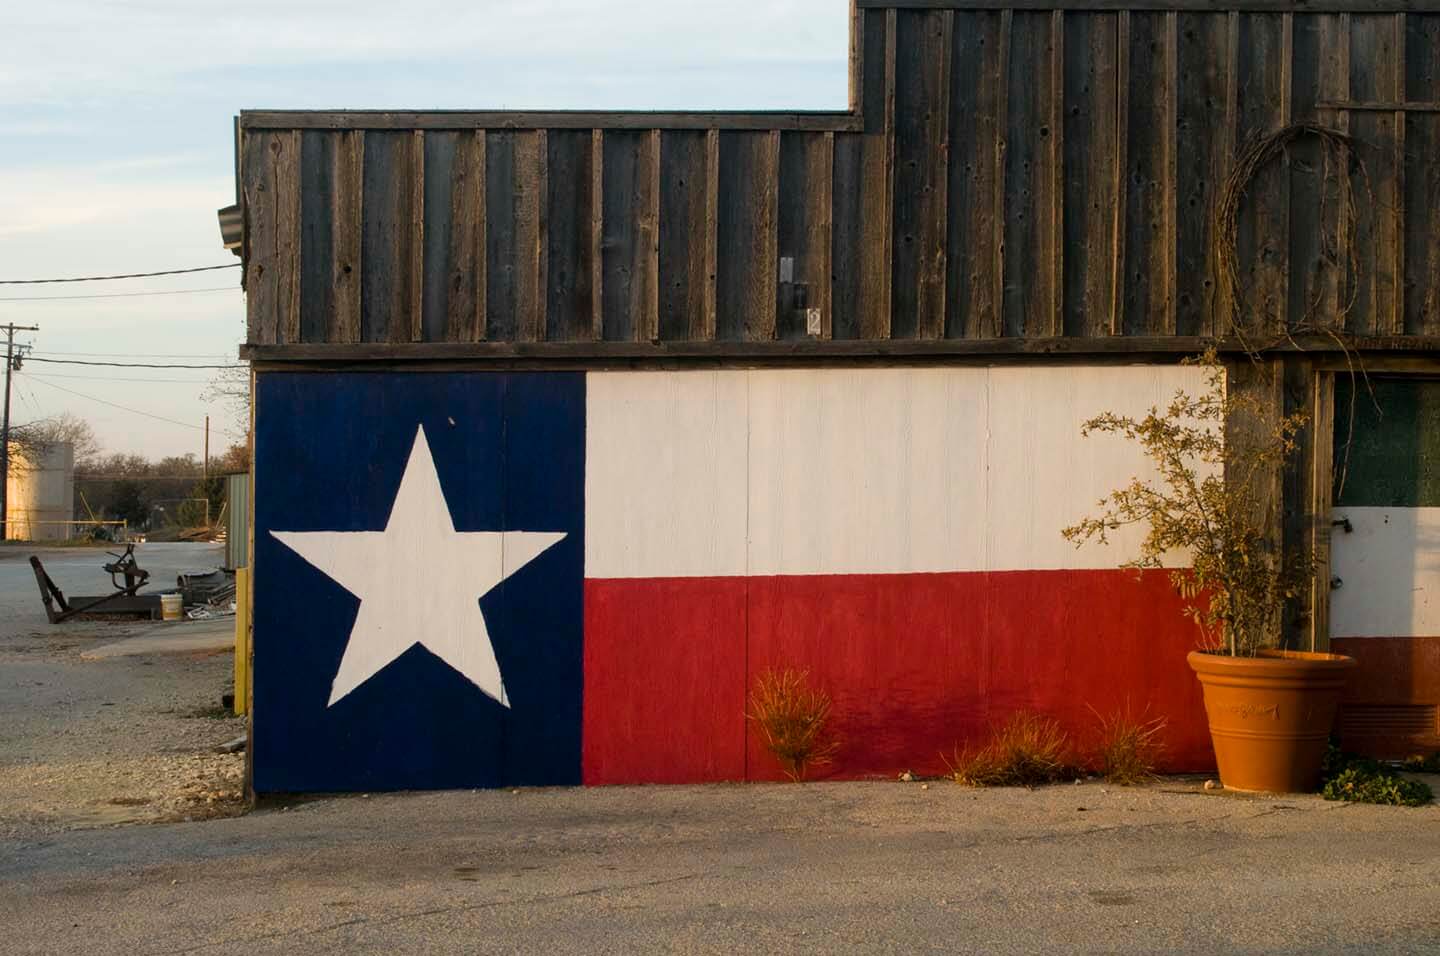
(1038, 172)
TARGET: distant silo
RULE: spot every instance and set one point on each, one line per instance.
(41, 492)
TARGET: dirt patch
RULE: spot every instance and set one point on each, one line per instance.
(95, 743)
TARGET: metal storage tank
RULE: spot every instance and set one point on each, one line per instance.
(41, 493)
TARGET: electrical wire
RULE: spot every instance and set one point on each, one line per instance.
(51, 352)
(115, 295)
(123, 408)
(54, 361)
(102, 378)
(129, 275)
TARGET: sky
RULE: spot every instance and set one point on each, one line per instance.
(116, 148)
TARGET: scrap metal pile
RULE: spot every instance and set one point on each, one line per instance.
(204, 594)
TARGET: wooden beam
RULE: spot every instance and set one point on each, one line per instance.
(836, 121)
(1126, 348)
(1322, 465)
(1200, 6)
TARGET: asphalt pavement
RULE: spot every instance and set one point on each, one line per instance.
(820, 868)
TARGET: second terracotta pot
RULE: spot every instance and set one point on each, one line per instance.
(1270, 715)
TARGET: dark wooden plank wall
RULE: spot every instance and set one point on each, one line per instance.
(1010, 173)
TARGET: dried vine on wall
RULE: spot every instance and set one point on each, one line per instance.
(1342, 166)
(1341, 158)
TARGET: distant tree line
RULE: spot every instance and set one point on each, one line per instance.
(174, 491)
(145, 493)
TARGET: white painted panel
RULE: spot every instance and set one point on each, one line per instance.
(1389, 568)
(1044, 476)
(665, 474)
(846, 471)
(858, 471)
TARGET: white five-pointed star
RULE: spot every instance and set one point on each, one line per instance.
(419, 581)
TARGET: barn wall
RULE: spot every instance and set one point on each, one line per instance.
(1008, 173)
(895, 532)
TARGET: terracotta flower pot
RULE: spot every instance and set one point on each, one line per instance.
(1270, 715)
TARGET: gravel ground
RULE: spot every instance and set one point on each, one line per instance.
(97, 743)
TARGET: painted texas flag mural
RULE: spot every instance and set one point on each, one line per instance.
(486, 579)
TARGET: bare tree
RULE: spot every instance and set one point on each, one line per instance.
(28, 440)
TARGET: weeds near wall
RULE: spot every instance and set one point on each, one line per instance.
(793, 720)
(1028, 750)
(1128, 750)
(1361, 780)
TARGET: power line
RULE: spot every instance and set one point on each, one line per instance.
(123, 408)
(115, 295)
(135, 354)
(130, 275)
(55, 361)
(102, 378)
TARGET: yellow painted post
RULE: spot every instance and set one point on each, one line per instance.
(242, 640)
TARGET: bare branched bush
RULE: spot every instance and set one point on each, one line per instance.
(1207, 500)
(793, 720)
(1028, 750)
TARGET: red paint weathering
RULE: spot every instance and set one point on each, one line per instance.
(916, 664)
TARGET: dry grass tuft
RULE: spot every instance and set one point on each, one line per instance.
(793, 720)
(1129, 750)
(1028, 750)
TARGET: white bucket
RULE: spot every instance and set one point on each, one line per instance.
(172, 607)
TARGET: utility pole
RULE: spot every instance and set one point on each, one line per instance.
(205, 471)
(10, 330)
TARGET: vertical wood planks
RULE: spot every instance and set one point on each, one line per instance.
(1204, 152)
(630, 214)
(532, 189)
(465, 280)
(1377, 73)
(1322, 474)
(1033, 266)
(572, 304)
(1091, 192)
(1264, 106)
(846, 244)
(271, 190)
(1149, 170)
(1318, 241)
(331, 187)
(1261, 385)
(441, 147)
(687, 238)
(1422, 177)
(317, 233)
(746, 282)
(348, 210)
(1018, 172)
(515, 191)
(922, 113)
(391, 239)
(803, 211)
(979, 82)
(862, 193)
(1296, 520)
